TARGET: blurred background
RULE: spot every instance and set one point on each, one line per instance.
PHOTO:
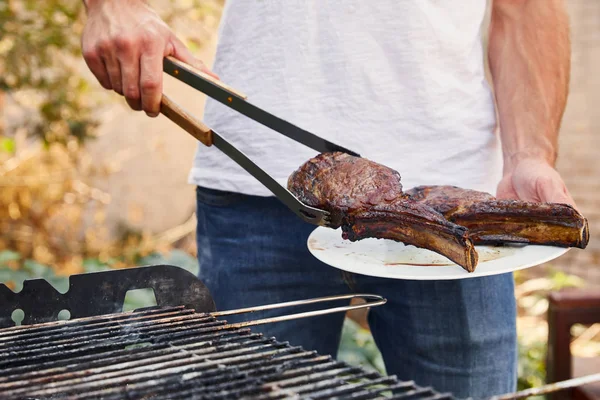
(87, 184)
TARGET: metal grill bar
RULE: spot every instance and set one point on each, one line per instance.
(34, 345)
(153, 372)
(70, 325)
(198, 379)
(91, 327)
(174, 353)
(110, 357)
(247, 374)
(354, 389)
(419, 393)
(312, 382)
(363, 391)
(147, 354)
(130, 366)
(159, 333)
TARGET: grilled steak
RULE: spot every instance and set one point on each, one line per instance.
(493, 221)
(366, 199)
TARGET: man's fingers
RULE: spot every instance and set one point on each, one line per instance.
(181, 52)
(96, 65)
(151, 80)
(113, 68)
(135, 104)
(552, 190)
(129, 59)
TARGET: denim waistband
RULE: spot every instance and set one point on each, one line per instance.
(216, 197)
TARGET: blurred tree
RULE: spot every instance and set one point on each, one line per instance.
(38, 43)
(50, 210)
(40, 60)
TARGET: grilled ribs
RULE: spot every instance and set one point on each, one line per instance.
(366, 199)
(493, 221)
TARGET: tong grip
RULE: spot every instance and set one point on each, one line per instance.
(178, 65)
(191, 125)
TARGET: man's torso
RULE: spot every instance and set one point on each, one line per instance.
(402, 82)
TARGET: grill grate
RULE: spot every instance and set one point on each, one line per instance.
(175, 353)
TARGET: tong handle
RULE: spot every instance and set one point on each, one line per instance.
(180, 64)
(191, 125)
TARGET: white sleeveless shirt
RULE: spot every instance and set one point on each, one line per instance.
(402, 82)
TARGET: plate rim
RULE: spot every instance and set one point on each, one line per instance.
(552, 252)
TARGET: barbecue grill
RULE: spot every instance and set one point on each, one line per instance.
(180, 349)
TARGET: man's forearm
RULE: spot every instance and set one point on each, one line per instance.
(529, 54)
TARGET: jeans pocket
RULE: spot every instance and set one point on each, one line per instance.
(217, 198)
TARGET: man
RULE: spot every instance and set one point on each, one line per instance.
(402, 82)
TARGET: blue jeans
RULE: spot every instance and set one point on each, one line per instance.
(455, 336)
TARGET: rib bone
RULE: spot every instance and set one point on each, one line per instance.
(493, 221)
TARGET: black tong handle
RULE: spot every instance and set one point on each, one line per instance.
(174, 67)
(236, 100)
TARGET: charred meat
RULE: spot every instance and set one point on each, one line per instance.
(366, 200)
(494, 221)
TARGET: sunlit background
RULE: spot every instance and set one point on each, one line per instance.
(86, 184)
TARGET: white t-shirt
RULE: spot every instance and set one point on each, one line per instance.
(402, 82)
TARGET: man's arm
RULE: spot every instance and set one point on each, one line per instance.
(529, 55)
(124, 43)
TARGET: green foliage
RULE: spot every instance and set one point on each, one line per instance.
(174, 257)
(42, 69)
(35, 37)
(7, 145)
(532, 302)
(357, 347)
(30, 269)
(51, 208)
(39, 54)
(8, 255)
(135, 299)
(532, 365)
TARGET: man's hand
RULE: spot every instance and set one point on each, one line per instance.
(124, 43)
(533, 179)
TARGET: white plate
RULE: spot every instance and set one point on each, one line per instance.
(389, 259)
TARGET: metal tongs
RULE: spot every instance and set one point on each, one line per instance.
(237, 101)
